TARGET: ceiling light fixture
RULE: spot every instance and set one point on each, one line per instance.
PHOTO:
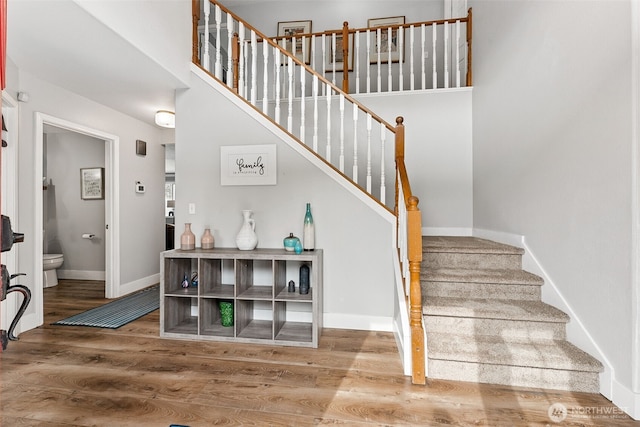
(166, 119)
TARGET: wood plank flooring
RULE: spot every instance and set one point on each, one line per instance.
(78, 376)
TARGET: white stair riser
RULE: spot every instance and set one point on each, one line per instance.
(517, 376)
(508, 329)
(472, 261)
(482, 290)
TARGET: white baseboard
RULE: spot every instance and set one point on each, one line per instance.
(447, 231)
(358, 322)
(626, 399)
(80, 274)
(139, 284)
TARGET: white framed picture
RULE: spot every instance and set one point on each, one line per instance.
(248, 164)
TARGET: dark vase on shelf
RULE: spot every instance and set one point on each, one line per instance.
(304, 279)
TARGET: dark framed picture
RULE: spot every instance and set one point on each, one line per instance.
(141, 147)
(291, 29)
(92, 183)
(384, 40)
(339, 55)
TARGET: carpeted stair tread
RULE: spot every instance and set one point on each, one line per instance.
(460, 244)
(498, 276)
(536, 311)
(490, 350)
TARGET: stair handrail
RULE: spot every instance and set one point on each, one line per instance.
(406, 204)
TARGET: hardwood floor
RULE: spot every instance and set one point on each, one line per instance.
(78, 376)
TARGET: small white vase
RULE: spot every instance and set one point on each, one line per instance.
(247, 239)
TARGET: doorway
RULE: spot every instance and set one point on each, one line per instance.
(111, 214)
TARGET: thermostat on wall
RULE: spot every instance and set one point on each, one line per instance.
(139, 187)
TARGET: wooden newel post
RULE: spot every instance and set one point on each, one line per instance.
(235, 58)
(414, 252)
(345, 57)
(195, 16)
(469, 50)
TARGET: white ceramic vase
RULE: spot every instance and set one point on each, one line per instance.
(247, 239)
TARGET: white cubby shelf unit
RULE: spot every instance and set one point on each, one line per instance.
(255, 282)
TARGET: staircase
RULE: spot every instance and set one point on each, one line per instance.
(486, 323)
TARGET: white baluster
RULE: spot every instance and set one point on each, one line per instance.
(294, 47)
(265, 76)
(446, 54)
(328, 150)
(218, 65)
(245, 57)
(355, 143)
(315, 113)
(324, 59)
(411, 43)
(458, 53)
(383, 189)
(290, 116)
(302, 102)
(400, 55)
(434, 57)
(389, 49)
(241, 61)
(357, 56)
(333, 58)
(368, 153)
(341, 133)
(277, 82)
(368, 67)
(378, 43)
(254, 68)
(304, 49)
(205, 56)
(424, 57)
(229, 50)
(313, 52)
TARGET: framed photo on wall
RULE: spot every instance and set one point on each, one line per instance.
(92, 183)
(290, 29)
(386, 44)
(339, 53)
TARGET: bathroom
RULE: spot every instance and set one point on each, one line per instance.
(73, 225)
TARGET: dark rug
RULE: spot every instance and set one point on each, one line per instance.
(117, 313)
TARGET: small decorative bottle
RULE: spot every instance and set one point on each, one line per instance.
(187, 239)
(308, 231)
(206, 241)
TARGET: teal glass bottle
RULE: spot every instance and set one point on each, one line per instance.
(308, 231)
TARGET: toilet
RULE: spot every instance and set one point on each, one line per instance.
(50, 262)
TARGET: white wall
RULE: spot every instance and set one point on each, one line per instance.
(552, 150)
(141, 215)
(358, 270)
(66, 215)
(438, 153)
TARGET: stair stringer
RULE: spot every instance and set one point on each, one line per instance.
(577, 334)
(400, 323)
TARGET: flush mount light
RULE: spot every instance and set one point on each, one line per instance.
(166, 119)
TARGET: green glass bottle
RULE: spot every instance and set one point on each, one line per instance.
(308, 231)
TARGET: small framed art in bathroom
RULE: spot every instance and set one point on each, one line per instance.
(92, 183)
